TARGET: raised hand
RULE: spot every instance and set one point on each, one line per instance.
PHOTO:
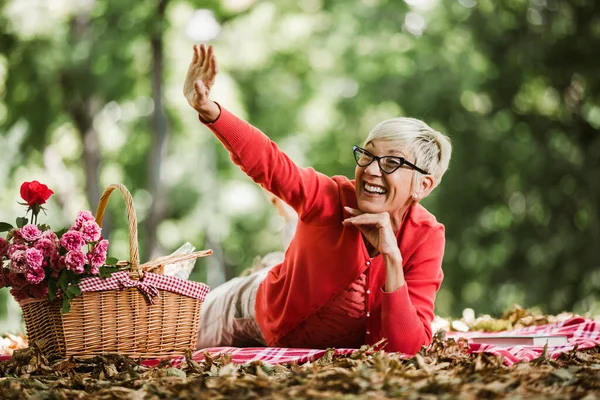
(377, 229)
(200, 78)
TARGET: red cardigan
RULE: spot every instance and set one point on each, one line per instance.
(325, 256)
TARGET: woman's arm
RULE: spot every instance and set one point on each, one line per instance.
(408, 311)
(260, 158)
(410, 285)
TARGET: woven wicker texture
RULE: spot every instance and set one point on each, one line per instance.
(118, 321)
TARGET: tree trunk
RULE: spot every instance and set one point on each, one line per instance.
(159, 142)
(83, 107)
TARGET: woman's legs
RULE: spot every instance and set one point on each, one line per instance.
(227, 317)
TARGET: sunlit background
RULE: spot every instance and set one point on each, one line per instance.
(91, 94)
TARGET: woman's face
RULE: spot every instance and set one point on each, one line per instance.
(377, 191)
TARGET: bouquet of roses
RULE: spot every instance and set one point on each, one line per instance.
(37, 262)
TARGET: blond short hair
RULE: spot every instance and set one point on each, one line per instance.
(431, 149)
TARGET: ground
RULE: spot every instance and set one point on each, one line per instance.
(445, 370)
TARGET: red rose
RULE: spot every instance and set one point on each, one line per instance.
(35, 193)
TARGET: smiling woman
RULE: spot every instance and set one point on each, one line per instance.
(365, 261)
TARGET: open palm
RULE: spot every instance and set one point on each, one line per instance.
(200, 77)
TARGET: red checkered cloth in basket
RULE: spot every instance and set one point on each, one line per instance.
(150, 284)
(582, 332)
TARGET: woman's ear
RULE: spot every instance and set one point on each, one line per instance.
(425, 185)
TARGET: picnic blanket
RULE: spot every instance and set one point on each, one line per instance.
(581, 332)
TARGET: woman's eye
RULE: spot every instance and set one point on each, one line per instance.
(392, 162)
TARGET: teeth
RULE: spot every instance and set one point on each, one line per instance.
(374, 189)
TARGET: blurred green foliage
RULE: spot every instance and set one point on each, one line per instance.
(513, 82)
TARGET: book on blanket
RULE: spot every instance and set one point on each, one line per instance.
(521, 340)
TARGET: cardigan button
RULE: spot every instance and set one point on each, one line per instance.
(368, 314)
(368, 263)
(368, 291)
(368, 332)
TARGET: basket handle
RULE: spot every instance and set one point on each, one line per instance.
(134, 254)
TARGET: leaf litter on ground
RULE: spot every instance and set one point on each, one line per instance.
(445, 369)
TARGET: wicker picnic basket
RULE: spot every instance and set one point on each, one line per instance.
(121, 321)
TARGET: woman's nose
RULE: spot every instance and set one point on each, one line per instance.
(373, 168)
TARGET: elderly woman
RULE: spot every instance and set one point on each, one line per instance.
(365, 261)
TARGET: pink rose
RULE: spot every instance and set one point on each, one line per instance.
(72, 241)
(46, 246)
(34, 258)
(50, 235)
(101, 247)
(96, 259)
(82, 217)
(18, 281)
(57, 262)
(35, 275)
(18, 293)
(30, 232)
(18, 261)
(17, 239)
(75, 261)
(37, 291)
(90, 231)
(14, 248)
(94, 270)
(4, 281)
(4, 245)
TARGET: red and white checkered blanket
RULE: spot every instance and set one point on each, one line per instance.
(583, 333)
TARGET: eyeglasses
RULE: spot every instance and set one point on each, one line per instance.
(388, 164)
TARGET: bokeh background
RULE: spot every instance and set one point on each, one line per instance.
(91, 94)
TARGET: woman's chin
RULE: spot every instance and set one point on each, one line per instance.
(371, 206)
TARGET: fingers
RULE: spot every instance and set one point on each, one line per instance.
(213, 65)
(208, 62)
(202, 55)
(364, 219)
(196, 56)
(380, 220)
(353, 211)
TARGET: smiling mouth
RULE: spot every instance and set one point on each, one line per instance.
(374, 189)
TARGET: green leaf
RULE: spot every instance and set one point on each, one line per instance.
(61, 232)
(43, 227)
(74, 290)
(21, 222)
(106, 272)
(63, 280)
(110, 260)
(72, 277)
(52, 288)
(5, 227)
(66, 305)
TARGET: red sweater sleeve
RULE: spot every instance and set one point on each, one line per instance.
(262, 160)
(406, 313)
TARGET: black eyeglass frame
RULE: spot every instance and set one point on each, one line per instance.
(401, 161)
